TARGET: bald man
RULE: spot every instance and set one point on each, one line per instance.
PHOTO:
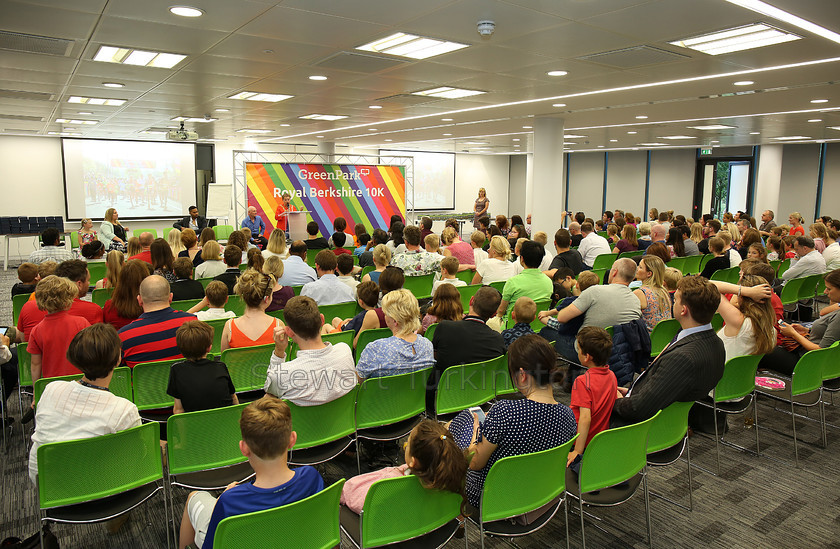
(152, 336)
(146, 239)
(257, 226)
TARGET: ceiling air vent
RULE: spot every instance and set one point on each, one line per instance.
(358, 62)
(31, 43)
(33, 96)
(638, 56)
(21, 117)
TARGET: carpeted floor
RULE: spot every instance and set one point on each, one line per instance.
(755, 502)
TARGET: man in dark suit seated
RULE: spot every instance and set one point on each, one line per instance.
(466, 341)
(192, 221)
(688, 368)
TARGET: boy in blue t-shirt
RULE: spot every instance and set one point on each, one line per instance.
(266, 426)
(363, 239)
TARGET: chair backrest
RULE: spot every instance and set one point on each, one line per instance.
(389, 399)
(124, 461)
(501, 376)
(808, 373)
(775, 264)
(205, 281)
(420, 285)
(604, 261)
(218, 327)
(669, 427)
(120, 383)
(74, 239)
(808, 289)
(297, 289)
(97, 271)
(516, 485)
(248, 366)
(150, 382)
(18, 302)
(692, 264)
(42, 383)
(101, 295)
(705, 259)
(831, 367)
(235, 304)
(622, 255)
(343, 311)
(785, 265)
(467, 293)
(614, 455)
(207, 439)
(791, 290)
(730, 275)
(536, 325)
(24, 366)
(430, 331)
(310, 257)
(222, 232)
(166, 232)
(311, 523)
(603, 274)
(678, 263)
(333, 338)
(184, 304)
(366, 336)
(138, 232)
(466, 275)
(662, 334)
(717, 322)
(367, 269)
(465, 385)
(400, 508)
(738, 378)
(317, 425)
(499, 285)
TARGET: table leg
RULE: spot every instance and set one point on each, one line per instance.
(6, 257)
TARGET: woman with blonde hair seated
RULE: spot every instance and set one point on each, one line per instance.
(212, 264)
(454, 246)
(653, 296)
(279, 294)
(174, 241)
(113, 266)
(254, 327)
(403, 352)
(497, 267)
(381, 259)
(276, 245)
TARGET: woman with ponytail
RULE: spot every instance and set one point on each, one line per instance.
(513, 427)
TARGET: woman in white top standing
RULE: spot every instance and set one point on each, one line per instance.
(749, 321)
(497, 267)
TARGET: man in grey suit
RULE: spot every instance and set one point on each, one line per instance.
(688, 368)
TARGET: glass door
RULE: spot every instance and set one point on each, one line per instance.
(722, 185)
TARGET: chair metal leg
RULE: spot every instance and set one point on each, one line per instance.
(582, 532)
(688, 458)
(822, 422)
(358, 457)
(717, 436)
(647, 507)
(566, 512)
(755, 423)
(795, 445)
(480, 532)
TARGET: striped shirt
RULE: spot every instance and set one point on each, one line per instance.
(152, 336)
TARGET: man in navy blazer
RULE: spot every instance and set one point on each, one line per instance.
(688, 368)
(193, 221)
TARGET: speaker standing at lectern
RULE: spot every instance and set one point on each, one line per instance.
(257, 226)
(282, 208)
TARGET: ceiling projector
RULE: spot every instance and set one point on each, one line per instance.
(181, 134)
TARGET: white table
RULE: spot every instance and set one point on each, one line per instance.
(27, 235)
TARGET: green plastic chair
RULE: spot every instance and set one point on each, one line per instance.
(612, 457)
(703, 260)
(775, 264)
(248, 366)
(150, 382)
(831, 370)
(668, 439)
(120, 383)
(622, 255)
(517, 485)
(166, 232)
(465, 385)
(737, 383)
(791, 292)
(691, 265)
(129, 472)
(101, 295)
(18, 302)
(805, 388)
(24, 380)
(311, 523)
(808, 289)
(138, 232)
(297, 289)
(430, 331)
(603, 274)
(310, 257)
(243, 267)
(222, 232)
(74, 239)
(420, 285)
(717, 322)
(277, 314)
(235, 304)
(388, 407)
(466, 275)
(662, 334)
(97, 272)
(536, 325)
(366, 336)
(499, 285)
(333, 338)
(501, 376)
(401, 509)
(730, 275)
(601, 233)
(467, 293)
(367, 270)
(324, 430)
(218, 327)
(340, 310)
(604, 261)
(185, 304)
(785, 265)
(205, 281)
(678, 263)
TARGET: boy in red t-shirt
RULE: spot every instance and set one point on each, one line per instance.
(50, 339)
(594, 392)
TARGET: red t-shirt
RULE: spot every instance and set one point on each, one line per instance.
(30, 316)
(595, 389)
(145, 255)
(339, 251)
(112, 317)
(51, 338)
(797, 231)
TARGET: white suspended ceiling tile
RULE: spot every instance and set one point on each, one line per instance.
(386, 12)
(45, 21)
(430, 71)
(491, 82)
(221, 81)
(38, 87)
(109, 72)
(119, 31)
(88, 6)
(219, 15)
(296, 25)
(35, 62)
(42, 77)
(253, 68)
(254, 47)
(575, 9)
(808, 49)
(491, 58)
(571, 41)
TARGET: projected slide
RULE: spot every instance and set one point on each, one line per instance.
(434, 178)
(140, 179)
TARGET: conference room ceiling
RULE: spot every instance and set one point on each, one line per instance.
(617, 55)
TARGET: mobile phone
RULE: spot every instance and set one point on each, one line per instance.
(781, 322)
(4, 330)
(478, 412)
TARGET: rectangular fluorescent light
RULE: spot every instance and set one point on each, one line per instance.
(834, 128)
(570, 136)
(446, 92)
(791, 138)
(327, 117)
(409, 45)
(675, 137)
(781, 15)
(712, 127)
(150, 132)
(140, 58)
(249, 130)
(74, 121)
(257, 96)
(737, 39)
(64, 134)
(192, 119)
(651, 144)
(96, 101)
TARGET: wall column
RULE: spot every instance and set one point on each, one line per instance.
(544, 195)
(768, 182)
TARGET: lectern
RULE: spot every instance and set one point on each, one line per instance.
(296, 224)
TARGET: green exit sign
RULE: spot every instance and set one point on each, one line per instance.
(705, 151)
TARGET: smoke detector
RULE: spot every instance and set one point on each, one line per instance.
(486, 28)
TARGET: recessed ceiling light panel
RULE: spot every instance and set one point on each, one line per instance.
(327, 117)
(791, 138)
(186, 11)
(446, 92)
(96, 101)
(676, 137)
(737, 39)
(143, 58)
(412, 46)
(257, 96)
(557, 73)
(113, 84)
(712, 127)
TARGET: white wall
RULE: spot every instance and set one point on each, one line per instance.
(798, 190)
(586, 184)
(830, 204)
(768, 180)
(672, 180)
(489, 171)
(626, 171)
(518, 185)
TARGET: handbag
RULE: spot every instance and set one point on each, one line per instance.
(33, 541)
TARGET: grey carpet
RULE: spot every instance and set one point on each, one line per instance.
(756, 502)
